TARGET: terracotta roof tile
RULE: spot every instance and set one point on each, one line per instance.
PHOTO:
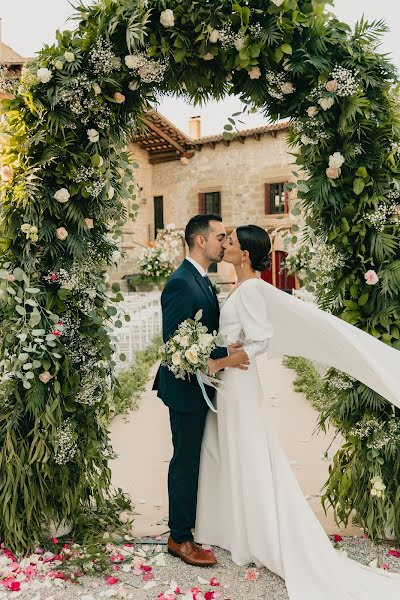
(8, 56)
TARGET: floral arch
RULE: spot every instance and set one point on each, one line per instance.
(67, 189)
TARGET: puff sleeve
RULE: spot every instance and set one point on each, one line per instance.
(254, 319)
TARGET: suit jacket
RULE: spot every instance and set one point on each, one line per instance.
(186, 292)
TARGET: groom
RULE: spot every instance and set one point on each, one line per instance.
(187, 291)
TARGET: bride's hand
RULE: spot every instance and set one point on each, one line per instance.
(213, 366)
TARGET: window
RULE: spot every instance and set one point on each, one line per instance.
(210, 202)
(276, 199)
(158, 214)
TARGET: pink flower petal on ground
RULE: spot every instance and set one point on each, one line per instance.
(146, 568)
(115, 567)
(395, 553)
(111, 580)
(251, 574)
(214, 581)
(384, 566)
(147, 576)
(15, 586)
(337, 538)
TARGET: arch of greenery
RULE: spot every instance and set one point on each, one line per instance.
(66, 186)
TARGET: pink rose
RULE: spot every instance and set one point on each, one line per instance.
(208, 56)
(251, 575)
(331, 86)
(287, 88)
(11, 278)
(62, 233)
(255, 73)
(371, 277)
(312, 111)
(89, 223)
(7, 173)
(119, 98)
(333, 172)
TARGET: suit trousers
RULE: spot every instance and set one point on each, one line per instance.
(187, 434)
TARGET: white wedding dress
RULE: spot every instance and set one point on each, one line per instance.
(249, 501)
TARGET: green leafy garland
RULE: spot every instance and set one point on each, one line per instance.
(67, 187)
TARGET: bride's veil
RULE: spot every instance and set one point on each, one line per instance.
(301, 329)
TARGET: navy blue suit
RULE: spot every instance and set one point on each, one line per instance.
(186, 292)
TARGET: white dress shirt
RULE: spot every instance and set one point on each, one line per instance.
(200, 269)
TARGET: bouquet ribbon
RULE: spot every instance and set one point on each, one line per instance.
(202, 379)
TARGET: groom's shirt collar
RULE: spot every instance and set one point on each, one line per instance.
(200, 269)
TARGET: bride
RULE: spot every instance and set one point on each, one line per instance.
(249, 501)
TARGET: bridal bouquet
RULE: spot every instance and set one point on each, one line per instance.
(186, 353)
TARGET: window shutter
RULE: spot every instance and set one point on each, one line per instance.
(267, 198)
(202, 203)
(286, 202)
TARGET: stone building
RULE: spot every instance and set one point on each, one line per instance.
(181, 175)
(12, 61)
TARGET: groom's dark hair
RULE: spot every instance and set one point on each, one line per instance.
(199, 225)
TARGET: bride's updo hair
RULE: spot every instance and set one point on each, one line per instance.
(256, 241)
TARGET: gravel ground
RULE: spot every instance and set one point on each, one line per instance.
(167, 569)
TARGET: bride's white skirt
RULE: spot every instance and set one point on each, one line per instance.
(250, 503)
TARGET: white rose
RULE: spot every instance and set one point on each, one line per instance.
(238, 43)
(93, 135)
(336, 160)
(111, 192)
(69, 57)
(184, 341)
(25, 228)
(44, 75)
(96, 88)
(214, 36)
(312, 111)
(89, 223)
(208, 56)
(132, 61)
(167, 18)
(133, 85)
(326, 103)
(62, 195)
(45, 377)
(191, 355)
(176, 358)
(287, 88)
(59, 65)
(278, 2)
(205, 339)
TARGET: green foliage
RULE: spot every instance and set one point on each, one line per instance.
(131, 382)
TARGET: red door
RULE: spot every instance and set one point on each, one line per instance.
(283, 280)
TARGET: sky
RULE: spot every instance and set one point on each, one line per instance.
(28, 24)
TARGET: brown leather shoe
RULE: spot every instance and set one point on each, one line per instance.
(191, 553)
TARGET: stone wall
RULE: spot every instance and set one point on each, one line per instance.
(238, 171)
